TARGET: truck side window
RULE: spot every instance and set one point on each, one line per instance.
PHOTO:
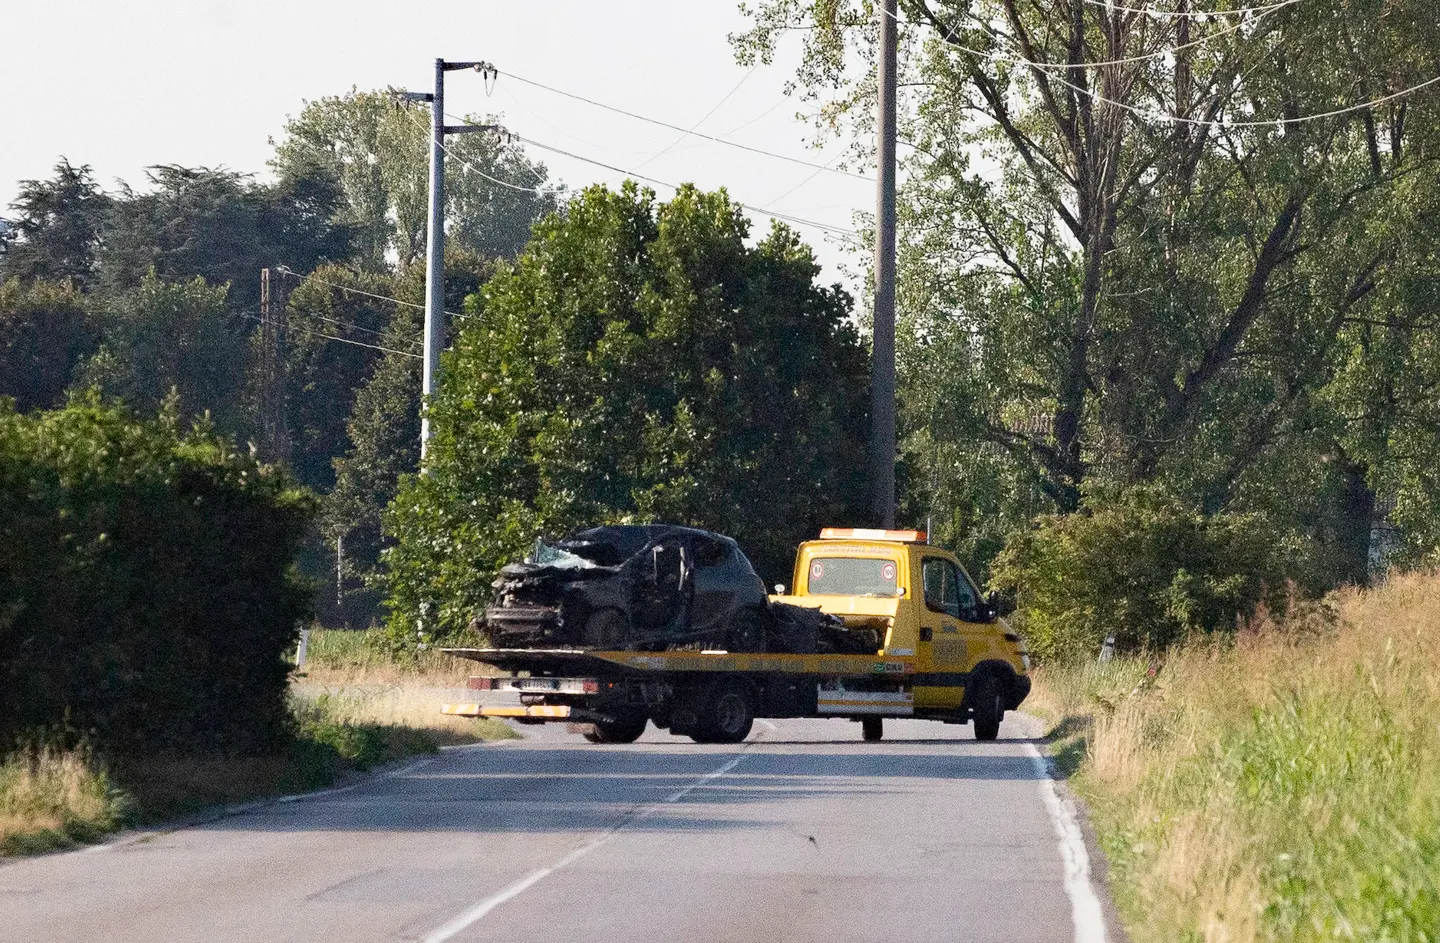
(941, 586)
(969, 603)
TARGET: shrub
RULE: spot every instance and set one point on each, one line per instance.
(147, 597)
(1143, 566)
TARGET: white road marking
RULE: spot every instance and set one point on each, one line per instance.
(477, 912)
(1085, 909)
(408, 768)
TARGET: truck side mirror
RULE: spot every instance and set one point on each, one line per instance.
(998, 604)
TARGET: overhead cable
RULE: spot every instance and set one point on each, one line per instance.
(284, 270)
(786, 217)
(675, 127)
(706, 117)
(332, 337)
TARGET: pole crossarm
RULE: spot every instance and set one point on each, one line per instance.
(473, 128)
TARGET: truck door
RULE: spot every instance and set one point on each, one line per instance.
(941, 651)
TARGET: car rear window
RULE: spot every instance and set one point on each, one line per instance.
(852, 576)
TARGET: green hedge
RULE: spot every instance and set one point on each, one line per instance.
(147, 597)
(1144, 567)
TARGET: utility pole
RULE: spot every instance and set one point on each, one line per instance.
(274, 427)
(882, 382)
(435, 236)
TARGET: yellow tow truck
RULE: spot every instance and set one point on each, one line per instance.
(937, 650)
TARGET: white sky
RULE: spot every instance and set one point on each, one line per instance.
(122, 85)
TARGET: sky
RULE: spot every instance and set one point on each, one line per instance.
(121, 86)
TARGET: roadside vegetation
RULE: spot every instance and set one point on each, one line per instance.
(1280, 784)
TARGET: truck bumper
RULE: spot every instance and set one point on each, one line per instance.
(540, 711)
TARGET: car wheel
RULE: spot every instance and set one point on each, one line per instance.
(606, 629)
(987, 707)
(872, 728)
(623, 728)
(728, 716)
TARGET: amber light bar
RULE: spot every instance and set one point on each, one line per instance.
(870, 533)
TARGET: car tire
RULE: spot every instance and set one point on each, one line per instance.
(872, 728)
(606, 629)
(624, 728)
(987, 707)
(728, 716)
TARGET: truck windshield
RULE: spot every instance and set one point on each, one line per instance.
(852, 576)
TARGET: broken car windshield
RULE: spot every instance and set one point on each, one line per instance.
(547, 554)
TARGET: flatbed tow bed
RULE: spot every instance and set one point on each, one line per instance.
(712, 696)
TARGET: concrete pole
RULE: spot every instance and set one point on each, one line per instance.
(434, 258)
(882, 384)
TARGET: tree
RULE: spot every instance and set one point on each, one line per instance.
(45, 332)
(379, 152)
(639, 361)
(173, 340)
(1115, 265)
(58, 229)
(221, 226)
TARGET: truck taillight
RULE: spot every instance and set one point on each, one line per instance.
(480, 684)
(591, 687)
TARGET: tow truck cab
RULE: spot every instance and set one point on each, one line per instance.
(926, 608)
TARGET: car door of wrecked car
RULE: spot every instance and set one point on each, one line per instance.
(724, 584)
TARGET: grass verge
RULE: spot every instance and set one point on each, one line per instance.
(361, 657)
(52, 798)
(1280, 785)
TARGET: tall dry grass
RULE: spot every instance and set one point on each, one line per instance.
(399, 707)
(1283, 785)
(345, 657)
(52, 798)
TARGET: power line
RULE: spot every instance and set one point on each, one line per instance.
(352, 327)
(1188, 14)
(686, 131)
(284, 270)
(1143, 57)
(342, 340)
(1176, 119)
(1271, 123)
(685, 134)
(799, 221)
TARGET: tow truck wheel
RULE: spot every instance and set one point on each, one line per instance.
(872, 728)
(987, 708)
(728, 716)
(622, 729)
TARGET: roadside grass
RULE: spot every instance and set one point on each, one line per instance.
(1280, 785)
(52, 798)
(343, 656)
(398, 712)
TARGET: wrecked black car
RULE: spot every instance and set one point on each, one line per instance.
(650, 587)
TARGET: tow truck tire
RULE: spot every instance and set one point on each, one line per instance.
(987, 707)
(872, 728)
(624, 729)
(728, 716)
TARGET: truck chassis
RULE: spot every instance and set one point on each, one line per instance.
(715, 696)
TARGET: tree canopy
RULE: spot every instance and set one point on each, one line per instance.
(639, 361)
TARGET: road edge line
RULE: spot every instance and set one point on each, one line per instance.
(1086, 911)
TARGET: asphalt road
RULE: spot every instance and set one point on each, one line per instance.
(805, 833)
